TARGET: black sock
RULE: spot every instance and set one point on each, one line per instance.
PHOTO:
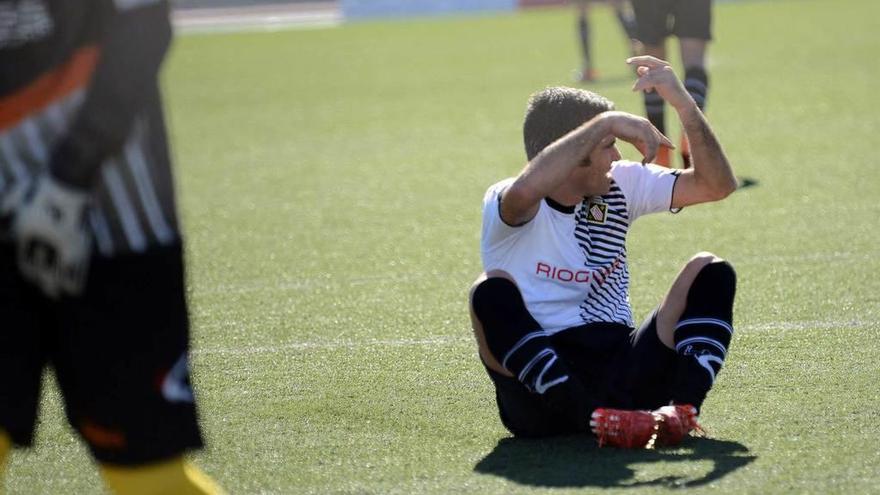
(654, 110)
(584, 33)
(517, 341)
(696, 82)
(703, 333)
(515, 338)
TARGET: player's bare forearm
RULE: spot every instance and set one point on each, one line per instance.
(550, 168)
(711, 177)
(712, 172)
(553, 166)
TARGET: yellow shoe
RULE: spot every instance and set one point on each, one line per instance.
(175, 476)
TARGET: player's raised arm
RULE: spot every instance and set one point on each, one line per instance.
(133, 45)
(553, 165)
(130, 47)
(711, 177)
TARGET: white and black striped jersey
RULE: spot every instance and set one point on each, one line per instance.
(79, 96)
(570, 263)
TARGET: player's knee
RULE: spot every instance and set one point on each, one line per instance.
(497, 274)
(720, 268)
(716, 279)
(711, 270)
(721, 272)
(491, 295)
(488, 287)
(495, 303)
(701, 260)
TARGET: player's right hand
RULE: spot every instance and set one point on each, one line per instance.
(53, 247)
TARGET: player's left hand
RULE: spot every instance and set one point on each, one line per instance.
(53, 246)
(658, 75)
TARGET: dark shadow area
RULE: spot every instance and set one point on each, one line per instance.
(577, 461)
(745, 182)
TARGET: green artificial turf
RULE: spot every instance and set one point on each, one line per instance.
(330, 184)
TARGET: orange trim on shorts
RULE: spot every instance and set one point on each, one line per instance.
(102, 437)
(50, 87)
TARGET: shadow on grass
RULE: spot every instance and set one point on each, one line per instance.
(746, 182)
(577, 461)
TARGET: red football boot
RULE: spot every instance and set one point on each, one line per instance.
(630, 429)
(675, 422)
(624, 428)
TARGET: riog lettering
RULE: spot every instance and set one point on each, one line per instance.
(562, 274)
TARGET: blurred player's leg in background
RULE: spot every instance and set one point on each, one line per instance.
(690, 21)
(587, 73)
(627, 19)
(696, 82)
(652, 29)
(693, 28)
(655, 108)
(625, 16)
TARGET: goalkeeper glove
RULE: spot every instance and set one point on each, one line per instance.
(53, 245)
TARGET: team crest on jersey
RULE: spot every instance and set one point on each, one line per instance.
(597, 212)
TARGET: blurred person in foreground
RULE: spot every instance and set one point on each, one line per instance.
(551, 312)
(91, 262)
(627, 21)
(691, 22)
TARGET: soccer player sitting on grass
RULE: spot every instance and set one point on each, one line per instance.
(551, 312)
(91, 255)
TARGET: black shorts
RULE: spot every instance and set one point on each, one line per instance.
(618, 366)
(119, 352)
(657, 19)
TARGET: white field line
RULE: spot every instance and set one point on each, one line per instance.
(255, 18)
(337, 344)
(451, 341)
(807, 325)
(306, 284)
(822, 257)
